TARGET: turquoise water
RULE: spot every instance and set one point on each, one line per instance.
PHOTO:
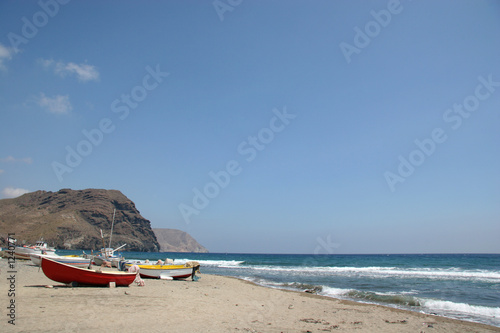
(462, 286)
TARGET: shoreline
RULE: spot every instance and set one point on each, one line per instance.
(359, 303)
(215, 303)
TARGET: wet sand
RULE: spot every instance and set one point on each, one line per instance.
(212, 304)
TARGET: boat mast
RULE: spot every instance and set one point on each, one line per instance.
(112, 224)
(103, 245)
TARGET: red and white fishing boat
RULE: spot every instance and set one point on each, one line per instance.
(63, 273)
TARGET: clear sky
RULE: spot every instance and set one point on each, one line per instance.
(264, 126)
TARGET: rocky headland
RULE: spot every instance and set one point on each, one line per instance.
(173, 240)
(73, 219)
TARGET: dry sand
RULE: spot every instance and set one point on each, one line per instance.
(212, 304)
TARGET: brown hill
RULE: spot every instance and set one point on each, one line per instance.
(173, 240)
(72, 219)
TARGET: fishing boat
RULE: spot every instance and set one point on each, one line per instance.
(69, 260)
(167, 272)
(64, 273)
(107, 254)
(40, 247)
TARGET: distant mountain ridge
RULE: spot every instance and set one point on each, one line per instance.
(72, 219)
(173, 240)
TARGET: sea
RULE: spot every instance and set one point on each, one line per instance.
(460, 286)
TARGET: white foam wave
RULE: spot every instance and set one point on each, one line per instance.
(381, 272)
(325, 290)
(461, 308)
(219, 263)
(334, 292)
(397, 293)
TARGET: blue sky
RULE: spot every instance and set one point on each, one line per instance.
(264, 126)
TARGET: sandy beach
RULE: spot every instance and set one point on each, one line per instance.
(212, 304)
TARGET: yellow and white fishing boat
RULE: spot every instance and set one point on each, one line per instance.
(167, 272)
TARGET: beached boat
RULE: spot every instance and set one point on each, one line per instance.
(68, 260)
(124, 264)
(63, 273)
(107, 254)
(40, 247)
(175, 272)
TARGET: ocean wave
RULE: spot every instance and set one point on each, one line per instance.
(461, 308)
(382, 272)
(403, 298)
(397, 299)
(487, 315)
(218, 263)
(303, 287)
(295, 286)
(335, 292)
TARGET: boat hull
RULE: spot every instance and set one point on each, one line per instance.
(63, 273)
(24, 253)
